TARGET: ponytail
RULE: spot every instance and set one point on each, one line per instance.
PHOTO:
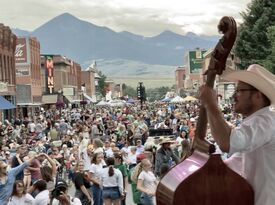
(111, 171)
(110, 163)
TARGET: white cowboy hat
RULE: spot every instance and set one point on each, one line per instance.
(257, 76)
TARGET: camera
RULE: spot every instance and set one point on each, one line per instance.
(58, 191)
(60, 188)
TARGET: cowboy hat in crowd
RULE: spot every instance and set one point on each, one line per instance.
(166, 141)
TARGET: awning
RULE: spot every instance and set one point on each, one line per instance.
(49, 99)
(190, 98)
(102, 103)
(167, 99)
(5, 104)
(89, 98)
(69, 98)
(29, 104)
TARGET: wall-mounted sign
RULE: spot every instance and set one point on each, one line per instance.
(195, 59)
(49, 74)
(21, 51)
(229, 90)
(68, 91)
(22, 70)
(3, 87)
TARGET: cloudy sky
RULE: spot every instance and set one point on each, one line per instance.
(144, 17)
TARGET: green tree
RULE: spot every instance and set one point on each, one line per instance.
(128, 90)
(102, 84)
(124, 86)
(252, 44)
(270, 60)
(154, 94)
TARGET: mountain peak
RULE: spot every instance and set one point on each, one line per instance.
(63, 21)
(85, 42)
(191, 34)
(65, 17)
(66, 14)
(167, 32)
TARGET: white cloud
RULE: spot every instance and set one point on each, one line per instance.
(145, 17)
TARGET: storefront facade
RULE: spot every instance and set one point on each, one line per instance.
(7, 71)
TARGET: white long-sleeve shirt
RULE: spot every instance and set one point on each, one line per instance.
(255, 138)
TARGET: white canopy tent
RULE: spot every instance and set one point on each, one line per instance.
(117, 103)
(189, 98)
(102, 103)
(177, 99)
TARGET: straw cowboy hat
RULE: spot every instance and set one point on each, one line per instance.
(257, 76)
(166, 141)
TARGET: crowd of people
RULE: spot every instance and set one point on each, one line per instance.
(96, 150)
(102, 151)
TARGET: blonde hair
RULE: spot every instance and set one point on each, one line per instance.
(136, 172)
(144, 162)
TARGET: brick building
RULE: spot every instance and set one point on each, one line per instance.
(194, 59)
(180, 78)
(89, 83)
(61, 79)
(224, 88)
(28, 75)
(7, 70)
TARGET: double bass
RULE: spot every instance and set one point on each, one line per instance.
(203, 178)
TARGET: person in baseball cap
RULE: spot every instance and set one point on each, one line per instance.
(60, 196)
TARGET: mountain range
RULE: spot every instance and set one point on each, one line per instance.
(85, 42)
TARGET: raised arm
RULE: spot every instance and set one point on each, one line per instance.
(52, 163)
(21, 167)
(220, 130)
